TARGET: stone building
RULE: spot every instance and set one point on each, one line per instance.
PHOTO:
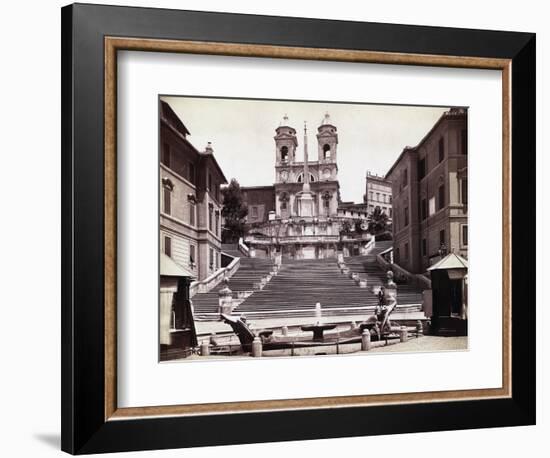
(430, 195)
(378, 193)
(260, 201)
(190, 199)
(299, 216)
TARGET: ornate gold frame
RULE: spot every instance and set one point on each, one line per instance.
(114, 44)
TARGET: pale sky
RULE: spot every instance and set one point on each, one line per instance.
(370, 137)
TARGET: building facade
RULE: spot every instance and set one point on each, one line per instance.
(260, 202)
(378, 193)
(300, 216)
(430, 195)
(190, 199)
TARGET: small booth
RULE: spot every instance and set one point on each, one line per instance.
(177, 327)
(450, 296)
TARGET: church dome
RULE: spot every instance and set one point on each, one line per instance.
(284, 127)
(326, 124)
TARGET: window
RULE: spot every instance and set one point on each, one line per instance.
(390, 199)
(397, 259)
(165, 159)
(370, 195)
(464, 141)
(464, 191)
(192, 254)
(191, 213)
(217, 222)
(442, 237)
(423, 209)
(210, 217)
(405, 177)
(210, 182)
(284, 154)
(326, 151)
(441, 197)
(406, 251)
(283, 205)
(465, 235)
(167, 200)
(254, 212)
(424, 247)
(390, 212)
(406, 216)
(211, 258)
(441, 149)
(301, 178)
(421, 168)
(431, 206)
(167, 246)
(378, 197)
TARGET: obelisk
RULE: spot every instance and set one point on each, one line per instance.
(305, 198)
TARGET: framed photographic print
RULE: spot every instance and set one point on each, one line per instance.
(271, 222)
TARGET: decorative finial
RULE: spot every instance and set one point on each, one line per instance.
(305, 126)
(327, 118)
(284, 122)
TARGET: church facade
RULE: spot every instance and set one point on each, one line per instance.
(305, 220)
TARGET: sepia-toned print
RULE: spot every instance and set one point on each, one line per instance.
(298, 228)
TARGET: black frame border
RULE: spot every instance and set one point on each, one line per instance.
(84, 429)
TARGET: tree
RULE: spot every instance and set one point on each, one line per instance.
(360, 226)
(234, 212)
(378, 221)
(345, 229)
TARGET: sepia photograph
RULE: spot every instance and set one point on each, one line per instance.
(295, 228)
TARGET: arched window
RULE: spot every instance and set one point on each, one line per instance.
(301, 178)
(326, 151)
(284, 154)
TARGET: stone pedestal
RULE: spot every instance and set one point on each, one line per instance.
(225, 299)
(257, 347)
(390, 292)
(403, 334)
(205, 349)
(365, 340)
(305, 204)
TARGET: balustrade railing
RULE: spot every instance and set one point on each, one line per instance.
(213, 280)
(415, 279)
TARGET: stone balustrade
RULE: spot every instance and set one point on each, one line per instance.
(213, 280)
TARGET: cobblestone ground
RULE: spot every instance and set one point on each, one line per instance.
(426, 343)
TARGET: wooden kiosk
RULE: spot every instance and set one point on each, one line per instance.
(450, 296)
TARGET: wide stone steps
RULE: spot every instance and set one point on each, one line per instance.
(299, 285)
(251, 271)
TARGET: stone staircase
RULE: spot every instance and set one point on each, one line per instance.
(251, 271)
(367, 267)
(300, 284)
(231, 249)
